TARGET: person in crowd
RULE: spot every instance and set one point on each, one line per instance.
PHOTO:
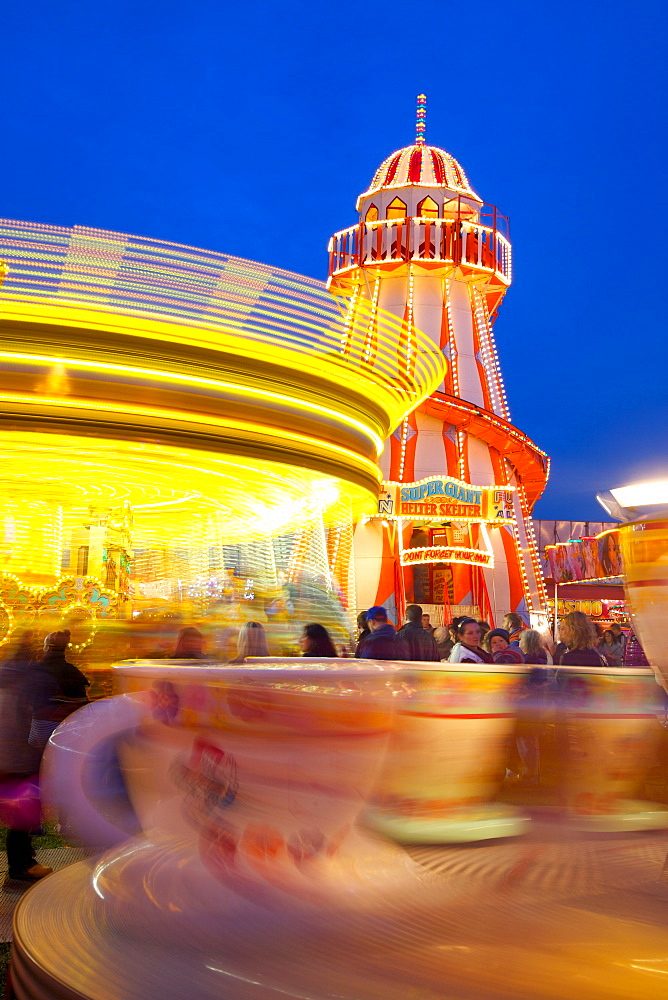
(18, 759)
(534, 649)
(579, 635)
(559, 650)
(514, 626)
(34, 699)
(190, 644)
(421, 644)
(251, 641)
(58, 688)
(315, 640)
(383, 643)
(363, 627)
(531, 697)
(484, 629)
(611, 648)
(616, 630)
(59, 680)
(427, 625)
(530, 693)
(467, 648)
(444, 641)
(497, 642)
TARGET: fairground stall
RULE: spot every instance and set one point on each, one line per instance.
(585, 575)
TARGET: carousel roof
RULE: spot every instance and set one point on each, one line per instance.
(423, 166)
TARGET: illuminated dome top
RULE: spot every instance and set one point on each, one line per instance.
(423, 166)
(420, 165)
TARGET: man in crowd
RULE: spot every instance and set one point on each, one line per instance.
(514, 626)
(382, 643)
(427, 625)
(420, 643)
(616, 630)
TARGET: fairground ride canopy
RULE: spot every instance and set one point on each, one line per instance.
(189, 387)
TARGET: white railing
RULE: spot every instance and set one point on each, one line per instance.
(419, 239)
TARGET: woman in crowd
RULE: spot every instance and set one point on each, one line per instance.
(190, 644)
(484, 629)
(534, 649)
(611, 648)
(467, 648)
(363, 630)
(579, 635)
(252, 641)
(19, 759)
(315, 641)
(34, 699)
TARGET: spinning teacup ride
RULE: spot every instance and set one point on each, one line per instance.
(447, 756)
(234, 867)
(447, 752)
(608, 728)
(237, 837)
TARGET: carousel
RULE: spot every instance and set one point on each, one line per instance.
(187, 438)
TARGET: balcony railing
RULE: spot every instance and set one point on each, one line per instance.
(450, 241)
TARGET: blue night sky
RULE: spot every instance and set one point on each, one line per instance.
(250, 128)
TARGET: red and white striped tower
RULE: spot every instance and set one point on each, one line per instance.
(427, 249)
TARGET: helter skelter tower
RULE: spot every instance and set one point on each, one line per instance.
(454, 522)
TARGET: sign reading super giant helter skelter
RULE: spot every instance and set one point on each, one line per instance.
(441, 497)
(454, 515)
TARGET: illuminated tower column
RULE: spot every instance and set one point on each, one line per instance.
(427, 249)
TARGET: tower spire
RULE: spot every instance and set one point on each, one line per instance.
(420, 119)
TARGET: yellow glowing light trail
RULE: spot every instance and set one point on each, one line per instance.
(145, 411)
(257, 340)
(196, 380)
(244, 499)
(194, 310)
(207, 286)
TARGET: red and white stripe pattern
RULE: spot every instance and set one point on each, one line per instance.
(425, 166)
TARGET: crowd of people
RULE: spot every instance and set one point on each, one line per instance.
(465, 640)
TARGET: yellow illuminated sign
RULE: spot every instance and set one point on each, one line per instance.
(445, 498)
(446, 553)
